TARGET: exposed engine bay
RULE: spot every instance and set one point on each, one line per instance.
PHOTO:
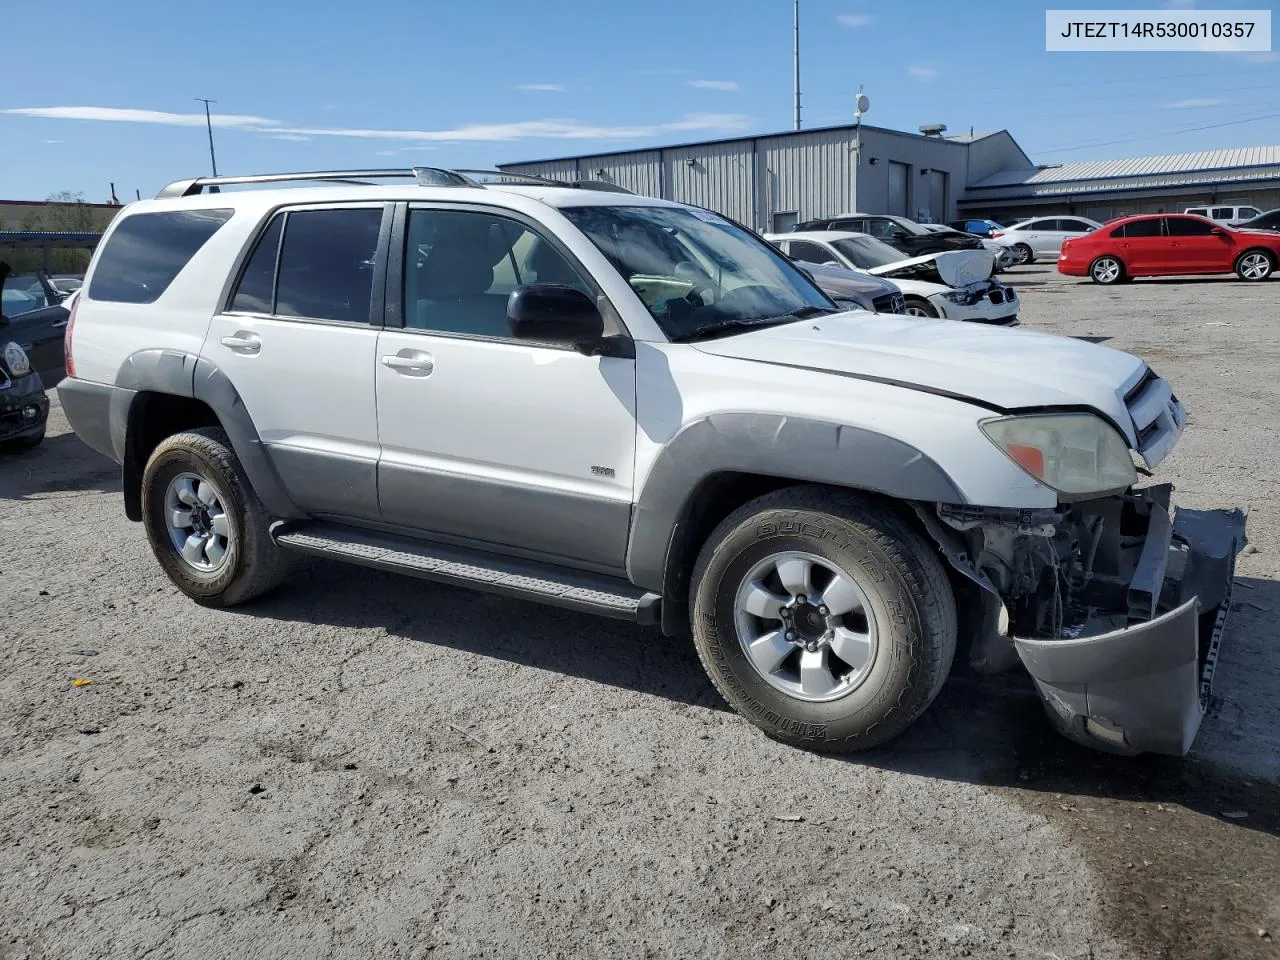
(1114, 605)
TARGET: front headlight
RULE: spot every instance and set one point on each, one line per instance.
(15, 358)
(1074, 453)
(963, 297)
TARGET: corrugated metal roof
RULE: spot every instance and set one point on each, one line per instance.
(1205, 161)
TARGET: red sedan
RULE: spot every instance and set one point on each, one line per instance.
(1168, 245)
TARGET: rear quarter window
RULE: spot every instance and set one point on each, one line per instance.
(147, 250)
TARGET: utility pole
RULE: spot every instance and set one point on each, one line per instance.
(795, 58)
(208, 123)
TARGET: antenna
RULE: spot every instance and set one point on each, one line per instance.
(861, 104)
(795, 58)
(208, 123)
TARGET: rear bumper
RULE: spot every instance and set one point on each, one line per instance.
(1073, 268)
(24, 407)
(97, 413)
(1144, 687)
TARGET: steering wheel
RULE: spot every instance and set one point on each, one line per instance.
(701, 283)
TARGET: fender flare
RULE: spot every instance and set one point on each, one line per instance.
(177, 374)
(766, 445)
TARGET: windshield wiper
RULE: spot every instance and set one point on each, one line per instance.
(719, 326)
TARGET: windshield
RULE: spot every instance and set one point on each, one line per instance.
(696, 272)
(867, 252)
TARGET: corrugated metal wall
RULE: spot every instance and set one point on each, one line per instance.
(637, 172)
(809, 174)
(715, 175)
(552, 169)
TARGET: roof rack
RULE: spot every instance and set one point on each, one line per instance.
(425, 177)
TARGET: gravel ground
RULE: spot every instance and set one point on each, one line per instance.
(367, 766)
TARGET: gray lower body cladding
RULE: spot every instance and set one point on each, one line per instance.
(1117, 608)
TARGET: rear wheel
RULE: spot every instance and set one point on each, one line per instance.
(1025, 254)
(1106, 270)
(823, 617)
(916, 307)
(1254, 265)
(207, 528)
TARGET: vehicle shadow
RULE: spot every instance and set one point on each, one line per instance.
(981, 730)
(62, 464)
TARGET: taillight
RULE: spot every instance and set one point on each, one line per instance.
(66, 339)
(996, 233)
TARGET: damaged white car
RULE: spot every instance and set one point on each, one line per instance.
(952, 285)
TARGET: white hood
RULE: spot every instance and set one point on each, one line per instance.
(957, 268)
(995, 366)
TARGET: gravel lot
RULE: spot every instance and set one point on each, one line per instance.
(367, 766)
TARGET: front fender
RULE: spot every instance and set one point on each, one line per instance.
(768, 445)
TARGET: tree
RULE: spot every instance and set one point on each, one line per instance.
(67, 211)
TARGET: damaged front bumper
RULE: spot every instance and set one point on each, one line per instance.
(1138, 679)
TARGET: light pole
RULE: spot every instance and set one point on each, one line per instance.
(795, 58)
(860, 106)
(208, 123)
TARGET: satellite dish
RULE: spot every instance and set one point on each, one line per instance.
(862, 104)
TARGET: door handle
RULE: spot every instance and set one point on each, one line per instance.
(415, 365)
(59, 323)
(243, 342)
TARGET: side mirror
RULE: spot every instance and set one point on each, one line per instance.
(554, 313)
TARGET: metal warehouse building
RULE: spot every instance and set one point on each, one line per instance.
(771, 182)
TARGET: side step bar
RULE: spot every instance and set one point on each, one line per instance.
(524, 580)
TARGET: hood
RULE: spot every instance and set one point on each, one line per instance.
(997, 367)
(952, 268)
(838, 281)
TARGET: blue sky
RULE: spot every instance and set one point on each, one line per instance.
(106, 93)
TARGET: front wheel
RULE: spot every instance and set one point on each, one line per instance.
(823, 617)
(207, 528)
(1106, 270)
(1254, 265)
(915, 307)
(1025, 253)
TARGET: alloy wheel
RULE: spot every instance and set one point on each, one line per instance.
(197, 521)
(1106, 270)
(805, 626)
(1255, 266)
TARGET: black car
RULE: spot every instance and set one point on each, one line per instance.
(1263, 221)
(899, 232)
(32, 315)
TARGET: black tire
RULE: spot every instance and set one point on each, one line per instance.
(926, 308)
(905, 587)
(1107, 270)
(252, 564)
(1025, 253)
(1255, 265)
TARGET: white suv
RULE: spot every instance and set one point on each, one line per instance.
(635, 408)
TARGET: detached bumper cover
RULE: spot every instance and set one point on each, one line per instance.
(1145, 687)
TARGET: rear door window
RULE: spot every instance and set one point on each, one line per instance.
(1141, 228)
(146, 251)
(327, 261)
(256, 293)
(1223, 213)
(811, 252)
(1199, 211)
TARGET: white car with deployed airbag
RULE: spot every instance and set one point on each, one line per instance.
(952, 285)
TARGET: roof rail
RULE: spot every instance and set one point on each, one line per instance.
(425, 176)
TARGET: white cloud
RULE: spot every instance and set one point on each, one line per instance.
(531, 129)
(51, 141)
(288, 136)
(541, 87)
(556, 129)
(121, 115)
(1195, 103)
(923, 74)
(713, 84)
(854, 19)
